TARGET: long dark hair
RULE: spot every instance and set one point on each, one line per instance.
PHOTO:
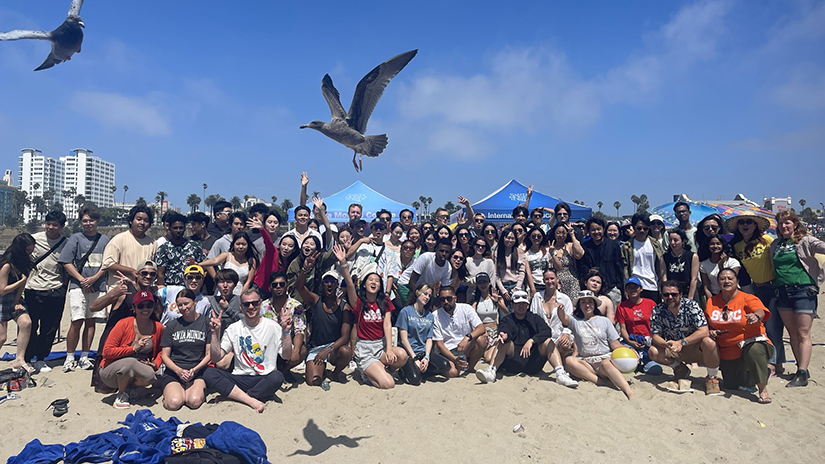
(16, 256)
(683, 235)
(380, 296)
(551, 236)
(462, 271)
(501, 254)
(424, 248)
(701, 238)
(251, 255)
(757, 238)
(704, 250)
(284, 264)
(578, 314)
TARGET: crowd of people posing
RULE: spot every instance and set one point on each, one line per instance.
(237, 305)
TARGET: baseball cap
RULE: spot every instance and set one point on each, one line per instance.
(633, 280)
(193, 269)
(148, 264)
(482, 277)
(656, 217)
(520, 296)
(141, 296)
(332, 273)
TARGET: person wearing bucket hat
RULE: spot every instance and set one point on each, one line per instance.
(798, 276)
(751, 246)
(596, 338)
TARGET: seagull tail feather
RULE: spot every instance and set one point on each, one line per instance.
(376, 144)
(50, 61)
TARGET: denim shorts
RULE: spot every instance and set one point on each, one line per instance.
(800, 299)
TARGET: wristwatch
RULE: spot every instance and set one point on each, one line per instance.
(684, 342)
(470, 336)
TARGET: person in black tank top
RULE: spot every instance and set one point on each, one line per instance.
(681, 264)
(331, 321)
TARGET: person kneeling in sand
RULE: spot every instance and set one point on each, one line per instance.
(680, 336)
(595, 338)
(255, 343)
(524, 345)
(458, 330)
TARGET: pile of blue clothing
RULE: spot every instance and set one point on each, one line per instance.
(144, 439)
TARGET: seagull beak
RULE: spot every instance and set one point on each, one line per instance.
(81, 24)
(304, 126)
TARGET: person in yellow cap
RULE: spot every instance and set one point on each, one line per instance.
(193, 277)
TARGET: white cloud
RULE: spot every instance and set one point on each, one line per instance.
(536, 89)
(804, 92)
(121, 111)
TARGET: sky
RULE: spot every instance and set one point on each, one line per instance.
(589, 101)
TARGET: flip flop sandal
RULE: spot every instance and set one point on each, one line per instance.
(25, 367)
(59, 407)
(766, 400)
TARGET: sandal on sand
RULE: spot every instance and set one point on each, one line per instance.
(25, 367)
(764, 400)
(59, 407)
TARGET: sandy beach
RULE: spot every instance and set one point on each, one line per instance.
(464, 421)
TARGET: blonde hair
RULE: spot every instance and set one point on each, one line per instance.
(799, 230)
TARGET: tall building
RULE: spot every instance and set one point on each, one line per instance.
(64, 178)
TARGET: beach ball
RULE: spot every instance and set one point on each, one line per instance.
(625, 359)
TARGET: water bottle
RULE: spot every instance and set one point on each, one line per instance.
(463, 357)
(325, 385)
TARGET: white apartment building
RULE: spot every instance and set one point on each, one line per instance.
(76, 174)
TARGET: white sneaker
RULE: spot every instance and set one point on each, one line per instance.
(122, 401)
(69, 365)
(41, 366)
(486, 375)
(86, 364)
(563, 378)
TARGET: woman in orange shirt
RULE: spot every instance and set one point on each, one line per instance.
(132, 353)
(735, 319)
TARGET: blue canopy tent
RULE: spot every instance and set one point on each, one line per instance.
(368, 198)
(498, 206)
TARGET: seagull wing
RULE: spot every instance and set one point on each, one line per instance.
(74, 10)
(17, 35)
(333, 98)
(371, 87)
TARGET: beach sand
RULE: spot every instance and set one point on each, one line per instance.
(461, 420)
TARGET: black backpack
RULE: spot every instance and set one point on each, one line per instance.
(202, 456)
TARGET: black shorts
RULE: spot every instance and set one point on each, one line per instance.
(530, 365)
(169, 377)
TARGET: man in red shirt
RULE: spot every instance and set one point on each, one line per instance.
(633, 316)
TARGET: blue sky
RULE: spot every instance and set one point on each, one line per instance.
(593, 101)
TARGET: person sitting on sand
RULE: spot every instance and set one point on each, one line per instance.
(331, 322)
(415, 334)
(735, 318)
(524, 345)
(185, 353)
(595, 339)
(225, 299)
(458, 331)
(633, 317)
(255, 343)
(131, 355)
(680, 336)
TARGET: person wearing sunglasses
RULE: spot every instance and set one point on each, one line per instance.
(681, 336)
(798, 277)
(709, 225)
(280, 303)
(479, 262)
(132, 352)
(751, 246)
(118, 297)
(458, 333)
(193, 277)
(643, 257)
(328, 341)
(736, 320)
(478, 224)
(254, 343)
(463, 240)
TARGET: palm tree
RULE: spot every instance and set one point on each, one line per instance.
(235, 202)
(316, 194)
(274, 200)
(429, 202)
(286, 204)
(641, 202)
(416, 205)
(193, 201)
(423, 201)
(159, 198)
(600, 204)
(449, 206)
(617, 204)
(140, 201)
(204, 192)
(211, 200)
(19, 203)
(125, 189)
(802, 202)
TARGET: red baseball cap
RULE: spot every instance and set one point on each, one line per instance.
(142, 296)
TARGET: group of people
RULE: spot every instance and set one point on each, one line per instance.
(237, 305)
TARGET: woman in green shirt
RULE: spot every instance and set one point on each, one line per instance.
(797, 277)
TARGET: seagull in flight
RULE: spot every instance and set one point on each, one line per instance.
(66, 39)
(348, 128)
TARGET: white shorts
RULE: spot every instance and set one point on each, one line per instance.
(79, 304)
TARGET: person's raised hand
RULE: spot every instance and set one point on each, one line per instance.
(304, 179)
(309, 261)
(215, 322)
(286, 320)
(340, 254)
(463, 201)
(530, 190)
(254, 223)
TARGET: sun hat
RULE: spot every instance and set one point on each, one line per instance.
(733, 222)
(587, 294)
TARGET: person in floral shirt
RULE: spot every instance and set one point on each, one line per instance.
(272, 309)
(176, 253)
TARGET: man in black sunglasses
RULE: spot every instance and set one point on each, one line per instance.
(458, 333)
